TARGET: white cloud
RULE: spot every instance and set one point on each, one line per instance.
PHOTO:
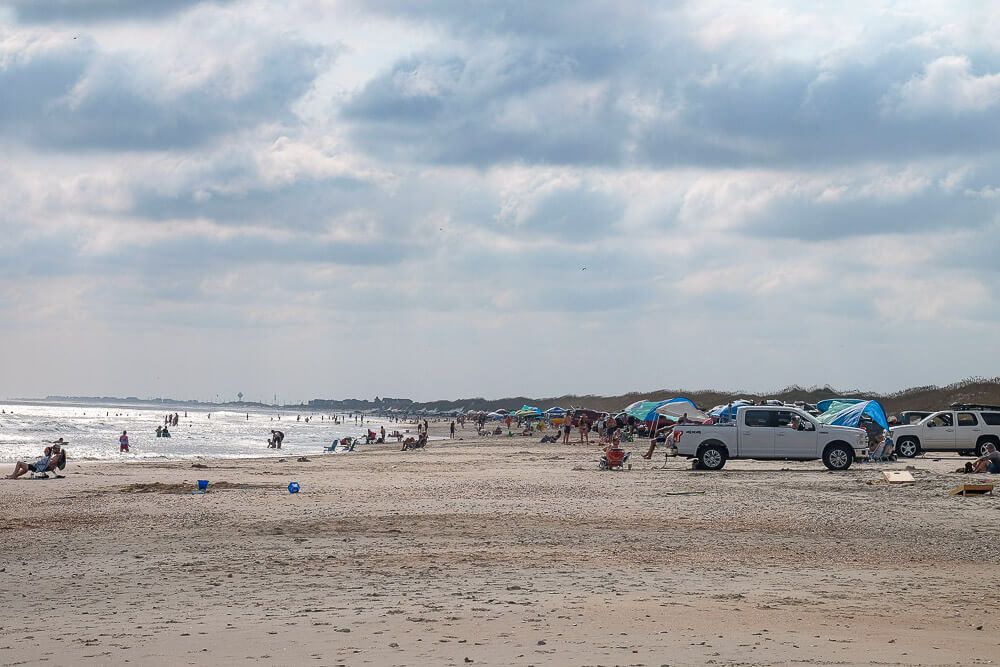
(947, 85)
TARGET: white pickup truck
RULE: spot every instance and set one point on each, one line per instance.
(771, 432)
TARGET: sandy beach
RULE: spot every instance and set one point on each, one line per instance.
(496, 551)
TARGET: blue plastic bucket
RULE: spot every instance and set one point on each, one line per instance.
(202, 484)
(293, 487)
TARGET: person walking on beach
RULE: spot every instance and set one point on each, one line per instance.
(567, 426)
(123, 443)
(453, 429)
(382, 433)
(585, 429)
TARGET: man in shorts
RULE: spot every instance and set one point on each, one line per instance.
(989, 461)
(41, 465)
(123, 443)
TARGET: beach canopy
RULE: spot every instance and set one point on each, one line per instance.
(825, 404)
(556, 412)
(647, 410)
(529, 412)
(850, 414)
(723, 411)
(678, 409)
(496, 415)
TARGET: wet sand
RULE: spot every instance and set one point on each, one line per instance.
(497, 552)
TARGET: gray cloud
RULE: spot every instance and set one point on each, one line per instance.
(69, 95)
(72, 11)
(487, 110)
(652, 95)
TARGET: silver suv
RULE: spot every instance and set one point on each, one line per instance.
(965, 429)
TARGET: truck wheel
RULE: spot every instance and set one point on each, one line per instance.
(981, 445)
(908, 447)
(711, 457)
(838, 457)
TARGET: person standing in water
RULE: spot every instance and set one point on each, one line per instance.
(123, 443)
(278, 437)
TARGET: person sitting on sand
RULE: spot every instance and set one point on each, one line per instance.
(57, 461)
(410, 443)
(40, 465)
(989, 462)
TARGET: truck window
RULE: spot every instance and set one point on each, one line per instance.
(784, 418)
(967, 419)
(992, 418)
(758, 418)
(943, 419)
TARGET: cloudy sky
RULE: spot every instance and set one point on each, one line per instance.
(458, 198)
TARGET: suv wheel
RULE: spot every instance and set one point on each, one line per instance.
(908, 447)
(981, 445)
(712, 457)
(838, 457)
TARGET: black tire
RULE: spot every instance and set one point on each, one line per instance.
(981, 445)
(966, 452)
(712, 457)
(908, 447)
(838, 457)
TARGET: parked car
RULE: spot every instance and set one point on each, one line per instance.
(963, 429)
(771, 432)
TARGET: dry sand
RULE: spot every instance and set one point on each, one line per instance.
(496, 552)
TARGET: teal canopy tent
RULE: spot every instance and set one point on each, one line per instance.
(850, 414)
(647, 410)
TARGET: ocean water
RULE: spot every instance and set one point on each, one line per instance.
(92, 432)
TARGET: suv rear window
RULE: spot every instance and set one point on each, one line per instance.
(967, 419)
(758, 418)
(991, 418)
